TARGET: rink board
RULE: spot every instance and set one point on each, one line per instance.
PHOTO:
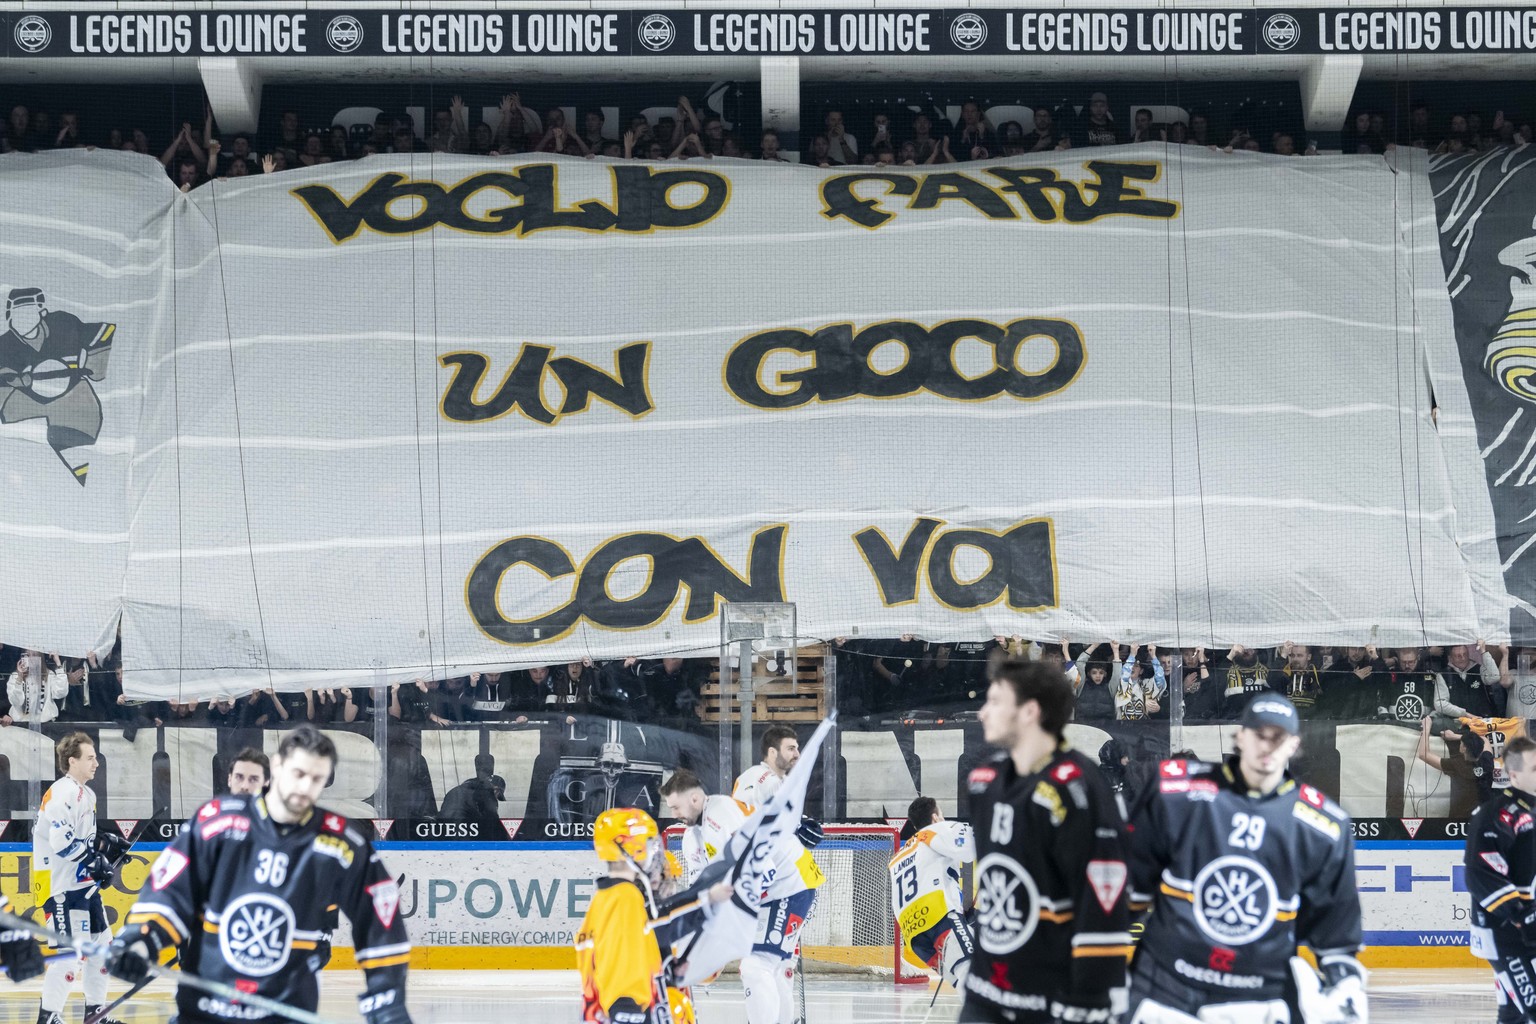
(474, 906)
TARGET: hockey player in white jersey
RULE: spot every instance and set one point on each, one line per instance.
(68, 871)
(925, 891)
(781, 750)
(766, 972)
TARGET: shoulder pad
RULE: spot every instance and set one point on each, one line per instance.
(1064, 772)
(219, 805)
(981, 777)
(1316, 798)
(1515, 818)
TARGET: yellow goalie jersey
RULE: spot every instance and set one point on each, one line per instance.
(925, 880)
(619, 958)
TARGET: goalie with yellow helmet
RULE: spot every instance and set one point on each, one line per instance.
(626, 944)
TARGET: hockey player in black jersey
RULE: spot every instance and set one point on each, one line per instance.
(1501, 861)
(243, 891)
(1052, 925)
(1240, 863)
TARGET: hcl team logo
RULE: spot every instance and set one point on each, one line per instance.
(968, 31)
(1281, 31)
(657, 32)
(344, 33)
(33, 34)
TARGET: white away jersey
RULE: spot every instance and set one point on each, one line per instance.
(704, 840)
(62, 838)
(925, 875)
(755, 786)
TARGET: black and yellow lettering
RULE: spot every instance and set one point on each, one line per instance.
(937, 188)
(519, 388)
(645, 197)
(642, 201)
(672, 563)
(840, 200)
(1070, 356)
(1022, 568)
(1113, 196)
(744, 367)
(627, 392)
(840, 364)
(480, 592)
(896, 572)
(1035, 187)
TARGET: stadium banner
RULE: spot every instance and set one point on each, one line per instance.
(375, 435)
(1107, 32)
(1486, 206)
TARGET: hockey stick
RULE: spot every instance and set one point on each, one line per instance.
(213, 988)
(101, 1012)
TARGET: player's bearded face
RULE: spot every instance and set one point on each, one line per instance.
(298, 780)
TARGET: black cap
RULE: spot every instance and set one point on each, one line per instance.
(1271, 709)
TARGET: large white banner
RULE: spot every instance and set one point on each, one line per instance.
(411, 415)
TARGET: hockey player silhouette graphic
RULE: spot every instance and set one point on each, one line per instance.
(48, 360)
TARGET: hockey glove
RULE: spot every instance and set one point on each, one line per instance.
(113, 848)
(134, 952)
(99, 868)
(20, 956)
(384, 1007)
(1343, 1001)
(627, 1011)
(810, 832)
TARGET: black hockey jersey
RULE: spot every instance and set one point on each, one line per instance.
(1501, 862)
(246, 900)
(1406, 697)
(1052, 922)
(1240, 878)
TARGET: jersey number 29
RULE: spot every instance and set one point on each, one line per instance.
(271, 867)
(1247, 831)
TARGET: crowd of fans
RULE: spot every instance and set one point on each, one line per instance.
(1113, 682)
(894, 136)
(46, 687)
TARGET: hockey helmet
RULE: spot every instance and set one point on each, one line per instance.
(621, 830)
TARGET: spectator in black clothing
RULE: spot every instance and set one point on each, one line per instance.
(1142, 130)
(621, 692)
(1045, 137)
(408, 702)
(1246, 676)
(972, 134)
(450, 702)
(477, 801)
(224, 713)
(1098, 128)
(1350, 688)
(899, 669)
(1299, 679)
(1096, 697)
(1202, 694)
(675, 686)
(1114, 764)
(410, 781)
(18, 137)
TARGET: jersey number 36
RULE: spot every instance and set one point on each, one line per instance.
(273, 867)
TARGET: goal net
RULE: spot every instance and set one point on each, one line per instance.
(852, 930)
